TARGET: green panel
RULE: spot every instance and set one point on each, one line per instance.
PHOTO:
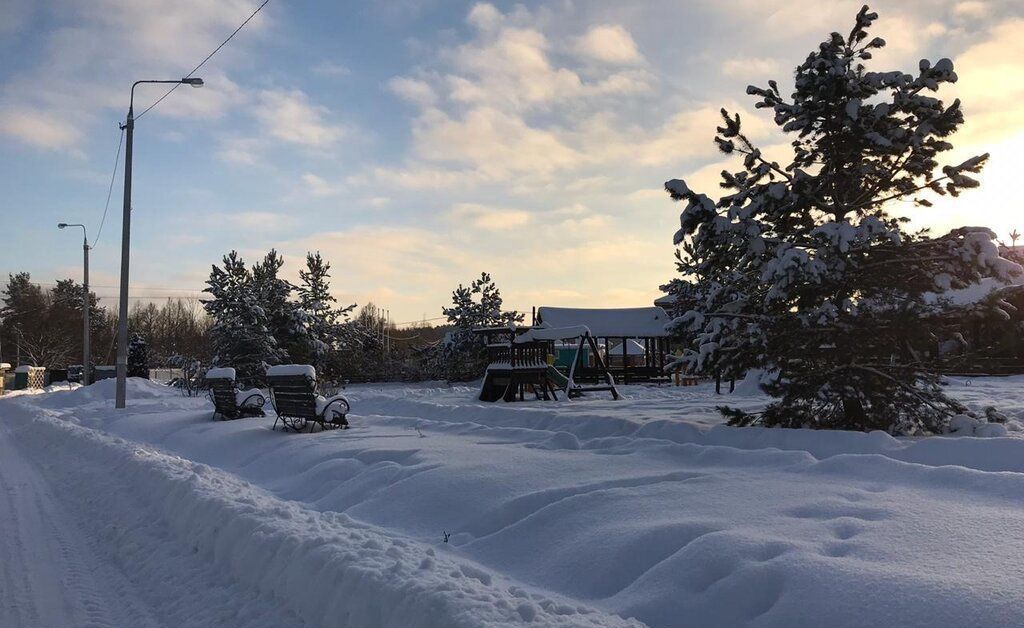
(564, 356)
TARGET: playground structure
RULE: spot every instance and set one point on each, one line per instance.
(633, 342)
(521, 361)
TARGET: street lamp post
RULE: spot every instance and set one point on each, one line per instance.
(122, 321)
(86, 302)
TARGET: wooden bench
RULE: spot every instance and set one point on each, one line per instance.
(225, 397)
(297, 404)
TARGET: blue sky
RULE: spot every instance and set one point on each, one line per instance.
(417, 143)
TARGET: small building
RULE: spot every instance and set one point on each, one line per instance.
(641, 360)
(633, 355)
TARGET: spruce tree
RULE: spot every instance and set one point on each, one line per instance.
(138, 357)
(802, 270)
(284, 320)
(241, 333)
(326, 325)
(474, 306)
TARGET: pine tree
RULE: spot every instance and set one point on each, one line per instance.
(241, 333)
(326, 325)
(801, 270)
(138, 357)
(474, 306)
(285, 321)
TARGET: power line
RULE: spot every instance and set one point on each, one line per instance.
(110, 190)
(420, 320)
(93, 285)
(208, 57)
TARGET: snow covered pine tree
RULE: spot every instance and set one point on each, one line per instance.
(138, 357)
(803, 271)
(241, 332)
(284, 318)
(327, 326)
(474, 306)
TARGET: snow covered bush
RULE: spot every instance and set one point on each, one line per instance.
(801, 269)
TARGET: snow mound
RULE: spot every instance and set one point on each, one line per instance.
(104, 390)
(328, 568)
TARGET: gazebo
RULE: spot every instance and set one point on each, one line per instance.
(616, 327)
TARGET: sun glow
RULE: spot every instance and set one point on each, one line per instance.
(996, 204)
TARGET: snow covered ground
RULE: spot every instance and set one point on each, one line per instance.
(583, 513)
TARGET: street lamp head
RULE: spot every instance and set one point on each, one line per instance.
(61, 225)
(194, 82)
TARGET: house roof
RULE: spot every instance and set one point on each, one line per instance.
(628, 322)
(665, 300)
(632, 348)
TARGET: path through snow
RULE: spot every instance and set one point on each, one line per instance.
(66, 562)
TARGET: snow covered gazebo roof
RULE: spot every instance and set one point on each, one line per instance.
(628, 322)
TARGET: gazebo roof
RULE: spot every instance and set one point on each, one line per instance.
(629, 322)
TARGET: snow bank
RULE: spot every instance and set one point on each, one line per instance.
(328, 568)
(137, 389)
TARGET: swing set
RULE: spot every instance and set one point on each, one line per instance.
(520, 364)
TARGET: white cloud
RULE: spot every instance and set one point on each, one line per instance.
(331, 68)
(218, 96)
(484, 16)
(257, 221)
(609, 43)
(488, 218)
(288, 115)
(494, 142)
(971, 9)
(318, 186)
(751, 67)
(510, 68)
(120, 40)
(244, 151)
(39, 129)
(413, 90)
(991, 84)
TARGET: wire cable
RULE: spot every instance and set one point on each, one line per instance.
(110, 190)
(201, 63)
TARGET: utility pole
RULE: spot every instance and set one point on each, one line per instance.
(121, 386)
(86, 302)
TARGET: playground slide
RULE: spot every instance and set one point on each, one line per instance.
(557, 378)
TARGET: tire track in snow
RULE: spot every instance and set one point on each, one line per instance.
(45, 564)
